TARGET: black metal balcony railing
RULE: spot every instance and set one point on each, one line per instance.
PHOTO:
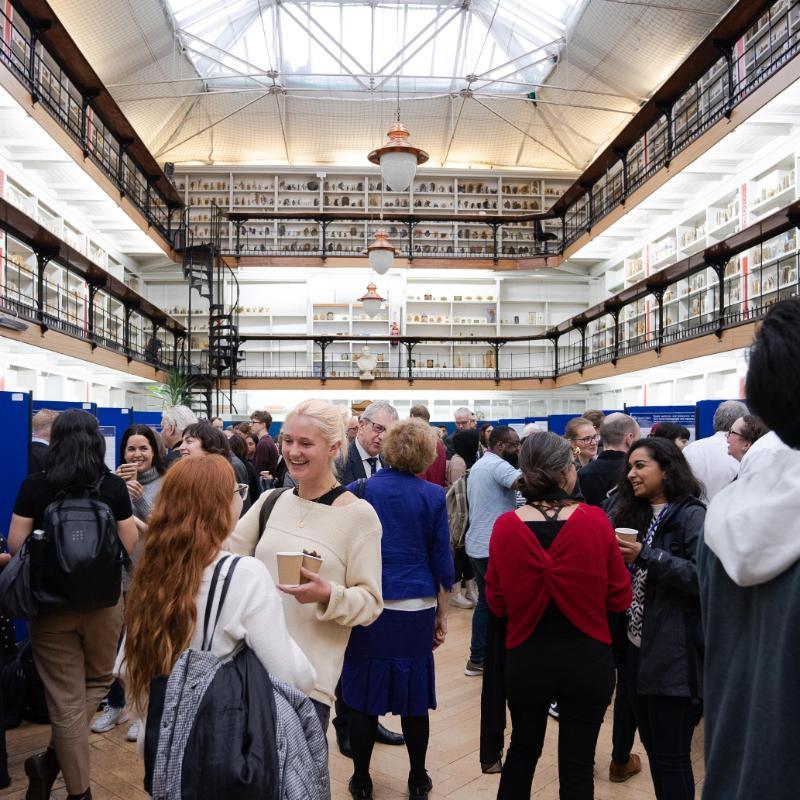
(729, 284)
(743, 66)
(39, 71)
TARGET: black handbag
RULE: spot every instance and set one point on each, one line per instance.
(16, 594)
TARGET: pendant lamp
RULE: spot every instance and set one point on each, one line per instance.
(371, 300)
(398, 158)
(381, 252)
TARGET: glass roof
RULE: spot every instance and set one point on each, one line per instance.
(421, 48)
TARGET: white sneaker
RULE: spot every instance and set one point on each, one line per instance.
(459, 601)
(109, 719)
(133, 732)
(471, 592)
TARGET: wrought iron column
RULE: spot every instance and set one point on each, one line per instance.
(615, 316)
(659, 295)
(323, 346)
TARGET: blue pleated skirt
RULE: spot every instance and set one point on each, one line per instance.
(388, 666)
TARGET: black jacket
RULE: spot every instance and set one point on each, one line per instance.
(672, 605)
(598, 477)
(353, 467)
(36, 453)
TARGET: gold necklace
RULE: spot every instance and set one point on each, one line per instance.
(301, 523)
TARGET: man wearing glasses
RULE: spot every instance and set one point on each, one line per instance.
(364, 452)
(465, 419)
(709, 458)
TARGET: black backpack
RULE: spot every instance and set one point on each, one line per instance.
(78, 564)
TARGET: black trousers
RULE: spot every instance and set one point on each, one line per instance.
(666, 727)
(579, 673)
(462, 565)
(624, 715)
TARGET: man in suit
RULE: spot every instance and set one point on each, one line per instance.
(41, 425)
(363, 461)
(364, 452)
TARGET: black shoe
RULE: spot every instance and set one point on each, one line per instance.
(42, 771)
(87, 795)
(359, 789)
(343, 741)
(385, 736)
(419, 789)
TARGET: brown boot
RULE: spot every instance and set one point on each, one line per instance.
(618, 773)
(42, 771)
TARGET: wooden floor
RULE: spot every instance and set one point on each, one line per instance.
(452, 755)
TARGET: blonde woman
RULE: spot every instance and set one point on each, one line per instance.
(321, 515)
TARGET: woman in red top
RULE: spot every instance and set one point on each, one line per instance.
(555, 570)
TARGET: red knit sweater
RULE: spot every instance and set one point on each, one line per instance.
(582, 572)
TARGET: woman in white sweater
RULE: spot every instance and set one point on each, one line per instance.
(195, 511)
(319, 515)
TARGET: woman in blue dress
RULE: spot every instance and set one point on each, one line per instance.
(388, 666)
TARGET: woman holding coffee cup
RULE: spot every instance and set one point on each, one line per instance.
(659, 498)
(141, 467)
(320, 515)
(555, 571)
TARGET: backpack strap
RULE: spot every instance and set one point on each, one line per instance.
(266, 509)
(223, 594)
(210, 599)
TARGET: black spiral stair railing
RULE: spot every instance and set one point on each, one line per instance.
(205, 272)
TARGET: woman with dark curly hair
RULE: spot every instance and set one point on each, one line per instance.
(203, 438)
(555, 571)
(658, 497)
(388, 666)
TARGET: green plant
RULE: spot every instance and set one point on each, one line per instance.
(175, 391)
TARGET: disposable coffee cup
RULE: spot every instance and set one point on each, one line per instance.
(289, 568)
(312, 564)
(629, 535)
(128, 471)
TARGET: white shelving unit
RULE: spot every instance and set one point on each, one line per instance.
(478, 193)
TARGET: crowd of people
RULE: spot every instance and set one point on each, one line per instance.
(600, 566)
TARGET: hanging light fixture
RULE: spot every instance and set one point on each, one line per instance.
(371, 300)
(398, 158)
(381, 252)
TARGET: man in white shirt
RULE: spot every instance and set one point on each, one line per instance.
(708, 458)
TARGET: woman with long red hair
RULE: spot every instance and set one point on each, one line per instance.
(196, 509)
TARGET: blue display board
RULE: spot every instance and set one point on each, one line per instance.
(542, 422)
(113, 422)
(15, 411)
(63, 405)
(557, 423)
(647, 416)
(151, 418)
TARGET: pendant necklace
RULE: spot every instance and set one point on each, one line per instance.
(301, 523)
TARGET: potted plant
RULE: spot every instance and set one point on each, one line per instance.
(176, 390)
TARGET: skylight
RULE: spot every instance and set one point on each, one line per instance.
(421, 48)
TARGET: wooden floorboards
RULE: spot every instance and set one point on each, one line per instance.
(452, 755)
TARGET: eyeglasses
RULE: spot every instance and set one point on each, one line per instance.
(587, 439)
(736, 433)
(242, 489)
(379, 429)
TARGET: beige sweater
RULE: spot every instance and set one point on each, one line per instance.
(349, 540)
